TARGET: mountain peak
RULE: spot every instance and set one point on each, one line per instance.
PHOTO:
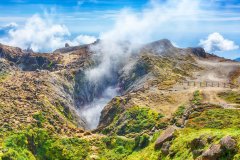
(160, 47)
(163, 43)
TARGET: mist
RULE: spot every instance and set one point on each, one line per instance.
(91, 113)
(133, 29)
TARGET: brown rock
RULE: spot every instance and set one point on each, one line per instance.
(197, 152)
(165, 148)
(29, 119)
(228, 143)
(67, 45)
(197, 143)
(213, 153)
(167, 135)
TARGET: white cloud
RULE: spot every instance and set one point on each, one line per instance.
(38, 34)
(6, 28)
(41, 34)
(82, 39)
(216, 42)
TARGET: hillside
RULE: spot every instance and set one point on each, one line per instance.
(171, 103)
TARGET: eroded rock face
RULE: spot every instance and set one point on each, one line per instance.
(167, 135)
(213, 153)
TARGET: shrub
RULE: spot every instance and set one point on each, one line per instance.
(142, 141)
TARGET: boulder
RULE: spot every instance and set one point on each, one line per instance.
(197, 143)
(213, 153)
(67, 45)
(167, 135)
(197, 152)
(228, 143)
(200, 52)
(165, 148)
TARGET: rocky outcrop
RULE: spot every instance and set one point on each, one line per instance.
(10, 53)
(200, 52)
(213, 153)
(165, 148)
(228, 143)
(162, 47)
(67, 49)
(167, 135)
(67, 45)
(225, 149)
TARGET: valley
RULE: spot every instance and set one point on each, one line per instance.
(160, 102)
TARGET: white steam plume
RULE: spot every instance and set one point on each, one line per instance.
(134, 28)
(131, 30)
(92, 111)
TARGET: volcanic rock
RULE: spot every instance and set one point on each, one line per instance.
(167, 135)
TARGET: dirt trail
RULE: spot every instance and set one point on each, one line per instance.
(213, 72)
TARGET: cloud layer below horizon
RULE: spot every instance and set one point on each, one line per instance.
(41, 34)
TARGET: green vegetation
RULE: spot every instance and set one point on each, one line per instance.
(64, 110)
(141, 141)
(116, 148)
(50, 64)
(40, 119)
(147, 152)
(3, 76)
(34, 143)
(215, 118)
(39, 144)
(177, 116)
(181, 148)
(180, 111)
(197, 97)
(231, 96)
(135, 120)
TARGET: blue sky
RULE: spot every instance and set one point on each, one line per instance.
(93, 17)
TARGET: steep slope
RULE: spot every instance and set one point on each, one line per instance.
(156, 79)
